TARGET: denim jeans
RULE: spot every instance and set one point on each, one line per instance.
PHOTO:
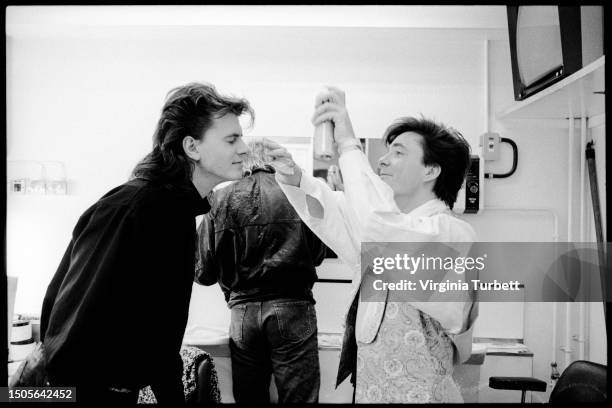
(275, 337)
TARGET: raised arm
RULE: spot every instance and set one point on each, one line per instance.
(324, 211)
(369, 197)
(379, 219)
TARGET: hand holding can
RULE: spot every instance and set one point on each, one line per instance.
(323, 141)
(330, 107)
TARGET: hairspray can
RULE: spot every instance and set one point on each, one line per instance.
(324, 141)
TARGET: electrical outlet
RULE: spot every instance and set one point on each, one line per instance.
(489, 142)
(17, 186)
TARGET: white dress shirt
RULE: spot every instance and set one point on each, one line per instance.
(366, 212)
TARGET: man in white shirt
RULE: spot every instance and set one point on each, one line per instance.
(410, 201)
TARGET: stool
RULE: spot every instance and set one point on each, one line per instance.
(523, 384)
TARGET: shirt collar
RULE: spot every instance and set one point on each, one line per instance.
(429, 208)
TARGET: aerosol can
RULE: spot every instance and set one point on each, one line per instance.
(323, 141)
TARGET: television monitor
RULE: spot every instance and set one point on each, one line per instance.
(549, 43)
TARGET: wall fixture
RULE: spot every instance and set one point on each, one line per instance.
(36, 177)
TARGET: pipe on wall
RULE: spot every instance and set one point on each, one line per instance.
(566, 348)
(583, 238)
(486, 88)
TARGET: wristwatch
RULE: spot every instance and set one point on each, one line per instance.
(349, 144)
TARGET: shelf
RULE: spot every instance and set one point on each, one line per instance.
(573, 96)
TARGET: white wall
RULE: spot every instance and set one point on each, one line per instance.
(35, 18)
(541, 181)
(91, 100)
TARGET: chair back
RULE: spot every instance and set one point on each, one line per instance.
(582, 381)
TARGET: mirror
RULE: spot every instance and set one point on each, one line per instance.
(329, 171)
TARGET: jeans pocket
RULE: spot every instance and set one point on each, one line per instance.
(237, 317)
(297, 320)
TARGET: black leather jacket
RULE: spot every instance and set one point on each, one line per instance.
(255, 245)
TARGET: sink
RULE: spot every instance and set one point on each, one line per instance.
(205, 335)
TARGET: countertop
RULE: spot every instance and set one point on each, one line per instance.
(216, 342)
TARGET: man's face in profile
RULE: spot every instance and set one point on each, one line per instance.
(402, 167)
(222, 149)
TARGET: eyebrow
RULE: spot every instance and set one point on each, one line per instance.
(398, 144)
(234, 135)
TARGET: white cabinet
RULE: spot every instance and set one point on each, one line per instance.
(328, 394)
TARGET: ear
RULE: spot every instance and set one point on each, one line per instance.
(190, 146)
(432, 172)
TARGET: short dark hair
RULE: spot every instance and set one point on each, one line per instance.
(189, 110)
(443, 146)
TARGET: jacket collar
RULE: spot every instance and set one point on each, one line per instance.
(199, 205)
(186, 190)
(265, 168)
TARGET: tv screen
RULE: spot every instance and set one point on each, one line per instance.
(549, 43)
(538, 43)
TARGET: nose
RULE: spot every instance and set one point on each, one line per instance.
(383, 161)
(242, 149)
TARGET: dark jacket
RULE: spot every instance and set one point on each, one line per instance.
(116, 309)
(254, 244)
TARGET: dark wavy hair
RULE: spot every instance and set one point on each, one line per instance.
(443, 146)
(189, 111)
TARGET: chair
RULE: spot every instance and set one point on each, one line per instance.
(202, 392)
(582, 381)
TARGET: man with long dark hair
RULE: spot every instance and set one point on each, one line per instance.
(114, 314)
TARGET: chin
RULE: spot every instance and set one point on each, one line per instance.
(397, 190)
(229, 176)
(235, 175)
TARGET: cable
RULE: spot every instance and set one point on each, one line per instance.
(514, 160)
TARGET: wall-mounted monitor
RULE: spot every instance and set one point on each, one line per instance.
(549, 43)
